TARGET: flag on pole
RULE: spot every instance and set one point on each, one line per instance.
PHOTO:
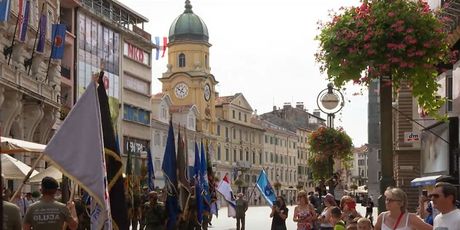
(204, 180)
(58, 41)
(4, 10)
(42, 33)
(169, 168)
(161, 47)
(182, 169)
(198, 189)
(77, 151)
(24, 23)
(265, 188)
(150, 171)
(114, 165)
(211, 180)
(226, 191)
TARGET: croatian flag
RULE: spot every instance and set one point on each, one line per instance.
(42, 33)
(225, 190)
(161, 47)
(24, 20)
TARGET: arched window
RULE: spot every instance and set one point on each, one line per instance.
(181, 60)
(206, 61)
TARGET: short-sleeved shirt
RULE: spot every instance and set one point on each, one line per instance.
(47, 215)
(277, 220)
(447, 221)
(11, 216)
(339, 225)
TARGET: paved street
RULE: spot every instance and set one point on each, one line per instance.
(259, 218)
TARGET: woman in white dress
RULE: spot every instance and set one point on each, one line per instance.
(397, 217)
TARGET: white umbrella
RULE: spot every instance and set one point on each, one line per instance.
(50, 171)
(10, 145)
(14, 169)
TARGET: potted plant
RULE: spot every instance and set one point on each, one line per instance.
(328, 144)
(400, 39)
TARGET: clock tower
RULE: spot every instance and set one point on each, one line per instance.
(188, 79)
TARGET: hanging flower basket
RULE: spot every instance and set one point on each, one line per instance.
(401, 39)
(326, 144)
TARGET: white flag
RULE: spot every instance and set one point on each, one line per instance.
(225, 190)
(77, 150)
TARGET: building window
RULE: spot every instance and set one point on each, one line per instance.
(449, 92)
(239, 116)
(233, 114)
(226, 132)
(218, 130)
(271, 157)
(181, 60)
(241, 155)
(247, 156)
(234, 155)
(234, 133)
(266, 139)
(245, 118)
(226, 154)
(132, 113)
(260, 157)
(206, 61)
(218, 153)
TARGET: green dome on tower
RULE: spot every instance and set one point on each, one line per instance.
(188, 27)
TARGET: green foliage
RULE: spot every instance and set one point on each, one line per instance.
(402, 39)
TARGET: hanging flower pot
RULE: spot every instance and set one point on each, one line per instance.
(401, 39)
(327, 144)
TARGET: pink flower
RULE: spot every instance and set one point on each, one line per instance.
(426, 45)
(391, 14)
(419, 53)
(410, 30)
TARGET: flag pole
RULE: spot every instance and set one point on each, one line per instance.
(28, 61)
(51, 53)
(253, 189)
(8, 51)
(27, 177)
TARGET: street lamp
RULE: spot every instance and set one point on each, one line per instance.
(330, 101)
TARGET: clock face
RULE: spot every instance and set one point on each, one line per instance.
(207, 92)
(181, 90)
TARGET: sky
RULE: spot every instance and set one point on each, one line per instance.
(263, 49)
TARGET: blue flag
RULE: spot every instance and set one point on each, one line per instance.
(204, 180)
(4, 10)
(150, 171)
(265, 188)
(58, 39)
(169, 168)
(42, 33)
(198, 190)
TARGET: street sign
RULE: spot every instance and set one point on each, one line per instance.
(411, 137)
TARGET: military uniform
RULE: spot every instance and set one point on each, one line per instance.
(154, 216)
(47, 215)
(11, 216)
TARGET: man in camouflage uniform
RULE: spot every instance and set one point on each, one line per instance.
(154, 213)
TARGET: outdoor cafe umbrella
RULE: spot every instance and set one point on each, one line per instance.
(48, 172)
(14, 169)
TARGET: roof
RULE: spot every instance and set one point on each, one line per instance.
(180, 108)
(138, 16)
(224, 100)
(188, 26)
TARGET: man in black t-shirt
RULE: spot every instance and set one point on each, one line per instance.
(369, 208)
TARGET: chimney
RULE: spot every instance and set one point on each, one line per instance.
(287, 105)
(317, 112)
(299, 105)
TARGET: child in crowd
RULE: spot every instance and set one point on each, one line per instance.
(336, 219)
(364, 224)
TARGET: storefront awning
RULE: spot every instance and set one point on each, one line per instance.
(425, 181)
(11, 146)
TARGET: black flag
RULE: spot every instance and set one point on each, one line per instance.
(113, 162)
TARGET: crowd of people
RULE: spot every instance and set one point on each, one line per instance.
(437, 210)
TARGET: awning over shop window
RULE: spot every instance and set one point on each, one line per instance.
(11, 146)
(425, 181)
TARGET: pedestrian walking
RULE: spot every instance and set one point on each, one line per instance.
(323, 219)
(241, 208)
(154, 213)
(49, 214)
(443, 197)
(304, 212)
(279, 214)
(369, 209)
(397, 216)
(22, 203)
(11, 214)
